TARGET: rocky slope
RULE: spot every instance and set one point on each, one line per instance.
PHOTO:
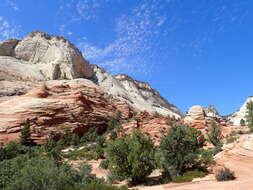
(237, 156)
(202, 118)
(38, 81)
(236, 117)
(139, 95)
(58, 107)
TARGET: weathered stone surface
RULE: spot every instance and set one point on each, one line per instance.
(212, 112)
(7, 47)
(58, 106)
(42, 57)
(236, 117)
(153, 126)
(138, 94)
(196, 117)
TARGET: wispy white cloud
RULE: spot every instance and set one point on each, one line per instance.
(64, 31)
(12, 5)
(135, 34)
(8, 30)
(151, 30)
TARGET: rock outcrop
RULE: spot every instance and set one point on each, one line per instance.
(38, 81)
(239, 115)
(40, 56)
(58, 107)
(202, 118)
(154, 126)
(195, 117)
(139, 95)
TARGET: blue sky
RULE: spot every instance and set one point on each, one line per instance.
(191, 51)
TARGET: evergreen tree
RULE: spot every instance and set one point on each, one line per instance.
(131, 157)
(214, 135)
(242, 122)
(249, 115)
(25, 137)
(180, 150)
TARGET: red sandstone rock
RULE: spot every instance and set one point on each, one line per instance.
(58, 107)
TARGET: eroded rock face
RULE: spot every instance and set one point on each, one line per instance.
(196, 117)
(211, 112)
(236, 117)
(153, 126)
(139, 95)
(58, 107)
(42, 57)
(203, 118)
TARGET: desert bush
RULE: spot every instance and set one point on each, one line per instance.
(231, 140)
(25, 137)
(104, 164)
(180, 150)
(206, 157)
(12, 150)
(188, 176)
(49, 145)
(225, 174)
(242, 122)
(99, 152)
(80, 154)
(90, 136)
(42, 173)
(214, 134)
(131, 157)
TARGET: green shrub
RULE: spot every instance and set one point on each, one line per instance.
(49, 145)
(231, 139)
(225, 174)
(99, 152)
(180, 150)
(12, 150)
(104, 164)
(242, 122)
(131, 157)
(249, 116)
(207, 157)
(188, 176)
(214, 134)
(90, 136)
(25, 137)
(80, 154)
(42, 173)
(233, 133)
(75, 139)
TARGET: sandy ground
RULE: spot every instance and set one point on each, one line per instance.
(238, 157)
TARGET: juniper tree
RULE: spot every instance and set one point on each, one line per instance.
(25, 137)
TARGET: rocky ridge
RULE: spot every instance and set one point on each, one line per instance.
(137, 94)
(42, 57)
(38, 81)
(236, 117)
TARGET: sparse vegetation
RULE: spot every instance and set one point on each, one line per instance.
(25, 137)
(131, 157)
(188, 176)
(242, 122)
(214, 134)
(180, 150)
(231, 140)
(249, 115)
(225, 174)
